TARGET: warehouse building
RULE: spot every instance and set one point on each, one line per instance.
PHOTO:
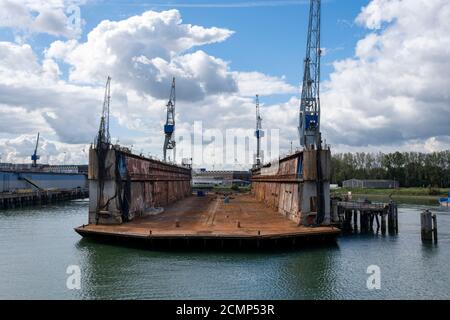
(203, 177)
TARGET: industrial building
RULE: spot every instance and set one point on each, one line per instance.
(203, 177)
(371, 184)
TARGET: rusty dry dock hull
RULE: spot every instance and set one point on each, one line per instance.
(210, 222)
(124, 187)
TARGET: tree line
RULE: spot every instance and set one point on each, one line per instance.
(411, 169)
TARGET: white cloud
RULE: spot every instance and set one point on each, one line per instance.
(393, 94)
(141, 53)
(251, 83)
(20, 149)
(40, 16)
(35, 89)
(395, 90)
(144, 52)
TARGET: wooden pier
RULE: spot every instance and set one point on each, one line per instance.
(385, 215)
(41, 197)
(212, 221)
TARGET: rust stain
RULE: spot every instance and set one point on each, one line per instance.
(256, 220)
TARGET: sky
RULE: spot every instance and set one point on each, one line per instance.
(385, 73)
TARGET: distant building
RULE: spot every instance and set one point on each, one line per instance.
(370, 184)
(220, 178)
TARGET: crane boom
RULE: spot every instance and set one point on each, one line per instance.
(309, 120)
(104, 137)
(169, 127)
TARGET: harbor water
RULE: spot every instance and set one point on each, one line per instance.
(37, 245)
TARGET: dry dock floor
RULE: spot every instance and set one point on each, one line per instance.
(210, 217)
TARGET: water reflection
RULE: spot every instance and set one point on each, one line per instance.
(34, 264)
(310, 274)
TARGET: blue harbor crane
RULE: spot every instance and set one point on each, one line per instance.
(169, 127)
(259, 133)
(309, 119)
(103, 137)
(35, 157)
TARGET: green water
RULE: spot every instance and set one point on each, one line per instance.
(37, 245)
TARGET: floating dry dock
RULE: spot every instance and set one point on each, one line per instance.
(126, 191)
(212, 222)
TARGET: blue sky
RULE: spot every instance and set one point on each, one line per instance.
(377, 73)
(269, 35)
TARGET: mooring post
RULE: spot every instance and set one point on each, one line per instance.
(383, 223)
(348, 220)
(391, 218)
(355, 220)
(365, 221)
(396, 218)
(426, 226)
(435, 231)
(362, 217)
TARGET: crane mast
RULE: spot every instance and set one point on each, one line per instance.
(169, 127)
(35, 157)
(309, 122)
(103, 137)
(259, 133)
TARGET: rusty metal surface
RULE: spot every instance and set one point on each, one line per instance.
(210, 216)
(310, 164)
(286, 188)
(131, 185)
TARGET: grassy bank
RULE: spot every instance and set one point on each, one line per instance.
(400, 192)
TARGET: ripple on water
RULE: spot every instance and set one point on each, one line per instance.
(37, 245)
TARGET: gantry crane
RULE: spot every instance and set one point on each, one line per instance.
(35, 157)
(169, 127)
(259, 133)
(309, 122)
(309, 119)
(103, 137)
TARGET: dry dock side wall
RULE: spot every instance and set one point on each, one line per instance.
(289, 186)
(129, 186)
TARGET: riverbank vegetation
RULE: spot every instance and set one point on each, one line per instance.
(412, 169)
(399, 192)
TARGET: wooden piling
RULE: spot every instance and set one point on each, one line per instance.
(396, 218)
(362, 219)
(383, 223)
(435, 230)
(371, 221)
(426, 226)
